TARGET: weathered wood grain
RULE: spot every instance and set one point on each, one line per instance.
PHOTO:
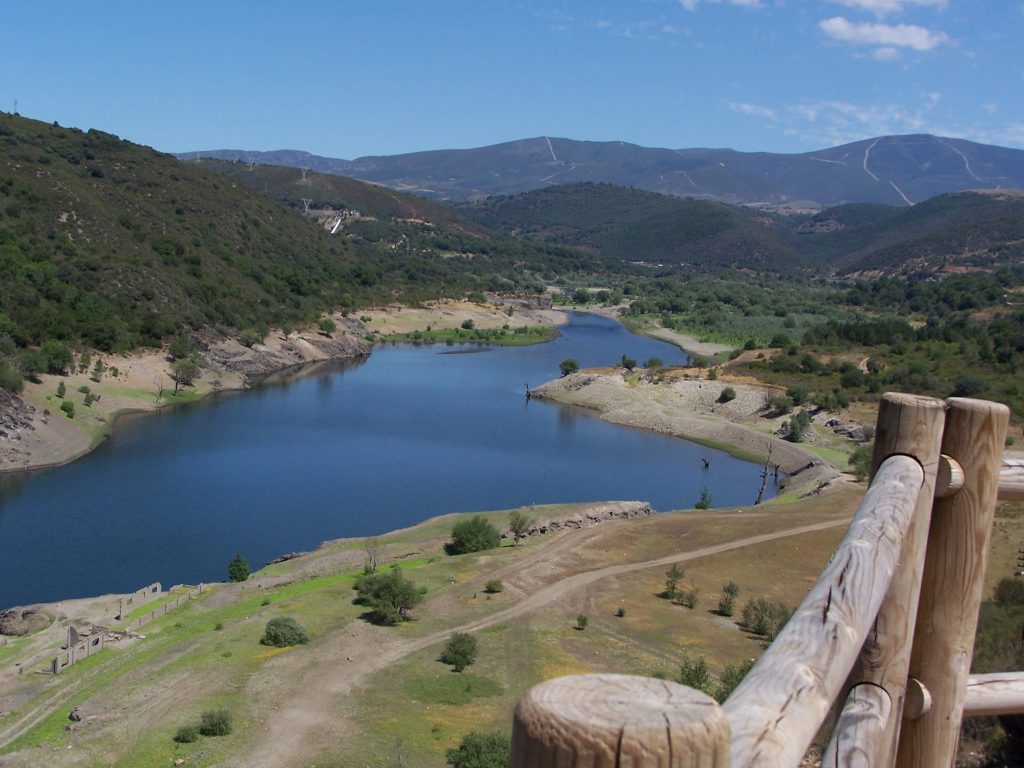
(999, 693)
(777, 709)
(860, 729)
(1011, 480)
(618, 721)
(954, 575)
(910, 425)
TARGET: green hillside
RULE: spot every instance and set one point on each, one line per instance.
(635, 225)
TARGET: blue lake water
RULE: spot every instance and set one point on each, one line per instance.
(349, 450)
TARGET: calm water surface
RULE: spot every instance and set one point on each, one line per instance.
(352, 450)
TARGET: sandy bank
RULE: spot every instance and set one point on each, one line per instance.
(689, 408)
(687, 343)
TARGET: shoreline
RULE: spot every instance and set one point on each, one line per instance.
(689, 344)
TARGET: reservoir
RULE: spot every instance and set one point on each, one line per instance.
(352, 449)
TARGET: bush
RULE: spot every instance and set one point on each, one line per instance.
(61, 390)
(704, 502)
(726, 605)
(519, 523)
(582, 621)
(282, 632)
(215, 722)
(493, 587)
(460, 651)
(473, 535)
(695, 674)
(628, 363)
(781, 405)
(731, 677)
(765, 618)
(568, 366)
(621, 612)
(688, 597)
(238, 569)
(481, 750)
(468, 324)
(327, 326)
(390, 595)
(250, 337)
(731, 588)
(727, 396)
(1009, 593)
(69, 408)
(673, 576)
(187, 734)
(860, 460)
(799, 425)
(653, 362)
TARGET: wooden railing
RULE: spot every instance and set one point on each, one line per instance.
(884, 638)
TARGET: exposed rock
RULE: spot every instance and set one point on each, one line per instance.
(598, 513)
(19, 622)
(75, 715)
(15, 415)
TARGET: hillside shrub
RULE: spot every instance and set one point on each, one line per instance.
(494, 586)
(69, 408)
(460, 651)
(765, 618)
(727, 396)
(473, 535)
(481, 750)
(238, 569)
(731, 677)
(390, 596)
(215, 722)
(187, 734)
(283, 631)
(582, 621)
(694, 673)
(568, 366)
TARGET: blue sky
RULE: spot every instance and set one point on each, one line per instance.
(347, 79)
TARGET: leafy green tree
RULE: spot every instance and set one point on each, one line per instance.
(460, 651)
(283, 631)
(468, 324)
(61, 389)
(860, 460)
(704, 502)
(481, 750)
(327, 326)
(10, 378)
(568, 366)
(97, 370)
(694, 673)
(582, 621)
(581, 296)
(731, 677)
(494, 587)
(181, 346)
(727, 396)
(628, 363)
(187, 734)
(653, 362)
(238, 569)
(390, 595)
(473, 535)
(58, 358)
(519, 523)
(69, 408)
(184, 372)
(250, 337)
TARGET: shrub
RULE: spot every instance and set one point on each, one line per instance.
(582, 621)
(765, 618)
(731, 588)
(1009, 593)
(688, 597)
(468, 324)
(473, 535)
(238, 569)
(694, 673)
(187, 734)
(61, 390)
(726, 605)
(704, 502)
(215, 722)
(84, 389)
(481, 750)
(727, 396)
(460, 651)
(653, 362)
(493, 587)
(568, 366)
(327, 326)
(628, 363)
(797, 393)
(69, 408)
(673, 576)
(860, 460)
(390, 595)
(781, 405)
(519, 523)
(249, 337)
(731, 677)
(621, 612)
(282, 632)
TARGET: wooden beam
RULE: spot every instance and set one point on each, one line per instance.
(910, 425)
(1000, 693)
(779, 707)
(613, 721)
(954, 576)
(1011, 480)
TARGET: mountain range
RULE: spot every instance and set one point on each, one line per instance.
(892, 170)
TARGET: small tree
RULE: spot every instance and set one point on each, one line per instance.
(187, 734)
(653, 362)
(282, 632)
(688, 597)
(673, 576)
(582, 620)
(494, 587)
(473, 535)
(97, 370)
(460, 651)
(694, 673)
(727, 396)
(180, 347)
(184, 372)
(628, 363)
(238, 569)
(568, 366)
(327, 326)
(61, 389)
(390, 595)
(481, 750)
(519, 523)
(69, 409)
(468, 324)
(731, 677)
(704, 502)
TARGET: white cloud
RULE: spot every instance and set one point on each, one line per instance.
(884, 7)
(887, 35)
(886, 53)
(753, 109)
(691, 5)
(991, 108)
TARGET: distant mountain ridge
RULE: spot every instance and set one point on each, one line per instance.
(892, 170)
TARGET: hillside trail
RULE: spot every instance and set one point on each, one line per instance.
(311, 716)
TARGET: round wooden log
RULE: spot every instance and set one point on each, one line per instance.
(780, 705)
(1011, 480)
(954, 576)
(861, 727)
(999, 693)
(950, 478)
(618, 721)
(910, 425)
(918, 700)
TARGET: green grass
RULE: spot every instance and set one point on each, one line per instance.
(447, 687)
(534, 334)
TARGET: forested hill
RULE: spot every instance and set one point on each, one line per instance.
(635, 225)
(108, 245)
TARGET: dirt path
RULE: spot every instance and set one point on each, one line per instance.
(361, 650)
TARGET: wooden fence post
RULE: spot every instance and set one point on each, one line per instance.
(954, 576)
(613, 721)
(869, 726)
